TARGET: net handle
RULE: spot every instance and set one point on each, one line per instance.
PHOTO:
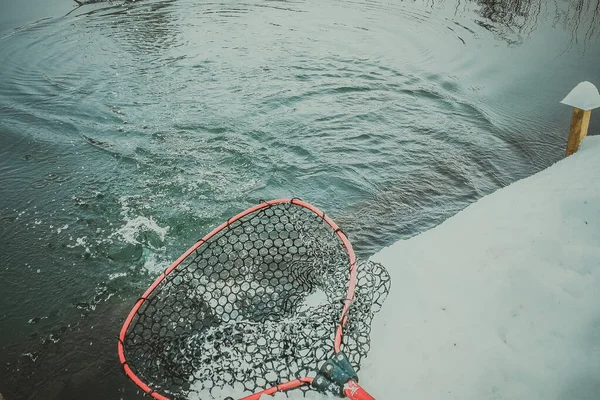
(343, 318)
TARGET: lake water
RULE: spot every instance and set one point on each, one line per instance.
(128, 130)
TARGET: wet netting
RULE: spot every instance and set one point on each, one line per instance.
(264, 299)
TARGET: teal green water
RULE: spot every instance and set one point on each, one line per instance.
(128, 130)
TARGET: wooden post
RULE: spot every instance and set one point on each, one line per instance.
(580, 123)
(583, 98)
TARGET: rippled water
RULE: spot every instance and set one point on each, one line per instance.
(129, 129)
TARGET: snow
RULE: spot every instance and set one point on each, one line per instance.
(584, 96)
(501, 301)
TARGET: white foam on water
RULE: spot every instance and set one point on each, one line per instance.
(80, 242)
(59, 230)
(129, 232)
(153, 264)
(137, 225)
(32, 356)
(113, 276)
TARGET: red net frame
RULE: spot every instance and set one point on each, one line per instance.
(283, 386)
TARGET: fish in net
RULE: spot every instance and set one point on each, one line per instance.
(259, 305)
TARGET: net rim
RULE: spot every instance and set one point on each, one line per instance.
(265, 204)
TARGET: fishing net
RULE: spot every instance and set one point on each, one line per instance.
(254, 304)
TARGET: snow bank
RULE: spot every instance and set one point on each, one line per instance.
(502, 301)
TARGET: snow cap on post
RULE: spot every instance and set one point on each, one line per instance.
(584, 96)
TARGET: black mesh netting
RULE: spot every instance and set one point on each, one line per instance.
(257, 304)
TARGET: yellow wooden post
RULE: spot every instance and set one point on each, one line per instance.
(583, 98)
(580, 123)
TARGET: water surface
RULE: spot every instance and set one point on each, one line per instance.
(128, 130)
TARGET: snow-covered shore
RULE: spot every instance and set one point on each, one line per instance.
(501, 301)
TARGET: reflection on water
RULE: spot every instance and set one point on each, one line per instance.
(511, 19)
(516, 19)
(129, 129)
(151, 28)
